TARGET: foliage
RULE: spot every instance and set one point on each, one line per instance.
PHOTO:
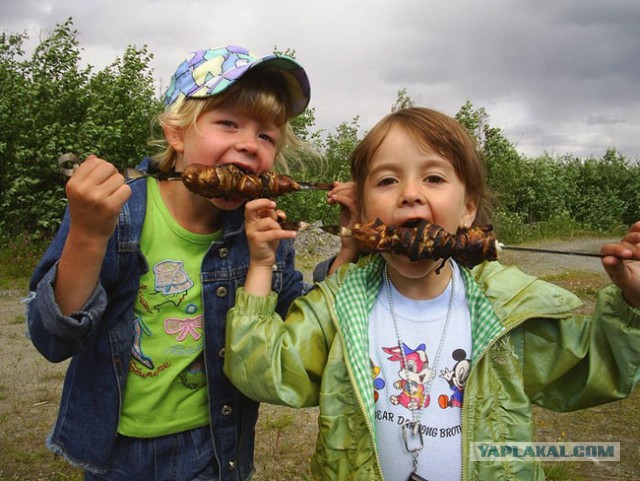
(403, 101)
(50, 106)
(336, 148)
(548, 196)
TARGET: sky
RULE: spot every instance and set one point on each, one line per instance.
(558, 77)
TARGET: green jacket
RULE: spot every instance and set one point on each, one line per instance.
(528, 346)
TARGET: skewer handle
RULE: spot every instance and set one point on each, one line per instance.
(68, 163)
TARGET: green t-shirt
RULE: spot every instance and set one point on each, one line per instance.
(166, 389)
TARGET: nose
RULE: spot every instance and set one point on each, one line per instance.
(247, 143)
(411, 193)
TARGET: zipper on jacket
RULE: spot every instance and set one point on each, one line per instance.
(347, 363)
(465, 407)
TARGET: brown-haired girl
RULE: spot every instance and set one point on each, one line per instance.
(413, 363)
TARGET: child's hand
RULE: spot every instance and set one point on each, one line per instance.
(96, 193)
(623, 272)
(263, 231)
(345, 193)
(263, 234)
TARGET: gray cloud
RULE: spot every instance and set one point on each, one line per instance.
(557, 76)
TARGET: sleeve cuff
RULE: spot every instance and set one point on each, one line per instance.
(257, 304)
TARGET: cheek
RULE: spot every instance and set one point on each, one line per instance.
(267, 160)
(371, 210)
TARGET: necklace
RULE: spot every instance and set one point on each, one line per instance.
(415, 432)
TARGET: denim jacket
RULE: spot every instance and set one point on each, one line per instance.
(99, 337)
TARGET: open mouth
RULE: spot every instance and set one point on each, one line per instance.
(412, 223)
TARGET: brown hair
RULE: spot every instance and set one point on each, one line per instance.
(437, 131)
(259, 93)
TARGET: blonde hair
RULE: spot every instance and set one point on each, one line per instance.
(430, 130)
(258, 94)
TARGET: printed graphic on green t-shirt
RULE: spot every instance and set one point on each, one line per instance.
(166, 388)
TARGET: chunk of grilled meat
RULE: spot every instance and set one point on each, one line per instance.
(469, 246)
(230, 180)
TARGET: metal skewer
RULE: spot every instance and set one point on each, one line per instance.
(68, 163)
(346, 232)
(552, 251)
(315, 185)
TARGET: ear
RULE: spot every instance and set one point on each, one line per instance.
(175, 138)
(469, 213)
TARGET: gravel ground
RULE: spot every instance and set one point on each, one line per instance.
(29, 391)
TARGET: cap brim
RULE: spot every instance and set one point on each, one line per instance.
(298, 86)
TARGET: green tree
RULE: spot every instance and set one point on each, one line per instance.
(50, 106)
(403, 101)
(45, 120)
(505, 171)
(335, 151)
(601, 202)
(12, 97)
(118, 120)
(473, 120)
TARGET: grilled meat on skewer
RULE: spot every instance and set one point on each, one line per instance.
(472, 245)
(229, 179)
(220, 181)
(469, 246)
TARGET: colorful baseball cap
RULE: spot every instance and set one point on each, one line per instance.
(205, 73)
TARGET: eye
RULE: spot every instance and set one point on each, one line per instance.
(227, 123)
(386, 181)
(434, 179)
(269, 138)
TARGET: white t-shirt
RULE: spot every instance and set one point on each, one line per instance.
(420, 324)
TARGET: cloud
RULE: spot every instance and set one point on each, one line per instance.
(556, 76)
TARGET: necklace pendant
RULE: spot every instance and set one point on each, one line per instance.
(416, 477)
(412, 437)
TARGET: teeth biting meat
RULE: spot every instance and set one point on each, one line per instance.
(469, 246)
(230, 180)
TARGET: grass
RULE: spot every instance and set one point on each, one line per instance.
(18, 257)
(30, 390)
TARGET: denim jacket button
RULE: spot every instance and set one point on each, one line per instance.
(226, 410)
(223, 252)
(232, 465)
(221, 291)
(221, 352)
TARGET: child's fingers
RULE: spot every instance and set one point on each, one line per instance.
(257, 209)
(342, 192)
(627, 248)
(635, 227)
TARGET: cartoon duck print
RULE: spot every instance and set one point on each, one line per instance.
(457, 377)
